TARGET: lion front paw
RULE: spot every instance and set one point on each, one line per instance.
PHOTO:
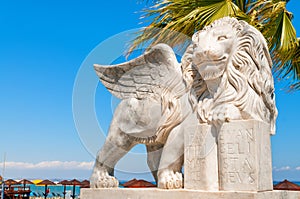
(103, 180)
(224, 113)
(170, 180)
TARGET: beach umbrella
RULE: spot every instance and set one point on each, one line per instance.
(74, 182)
(25, 182)
(85, 184)
(287, 185)
(36, 181)
(134, 183)
(65, 183)
(10, 182)
(46, 183)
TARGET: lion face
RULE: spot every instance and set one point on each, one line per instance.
(212, 50)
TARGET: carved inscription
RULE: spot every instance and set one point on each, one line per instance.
(234, 158)
(201, 162)
(194, 153)
(237, 156)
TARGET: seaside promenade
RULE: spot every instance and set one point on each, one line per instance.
(41, 189)
(70, 189)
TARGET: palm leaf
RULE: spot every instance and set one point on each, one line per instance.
(274, 21)
(175, 21)
(174, 17)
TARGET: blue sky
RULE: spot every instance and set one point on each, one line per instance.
(44, 47)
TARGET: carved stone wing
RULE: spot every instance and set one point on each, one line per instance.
(145, 76)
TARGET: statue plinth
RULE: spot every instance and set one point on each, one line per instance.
(154, 193)
(235, 158)
(200, 159)
(245, 156)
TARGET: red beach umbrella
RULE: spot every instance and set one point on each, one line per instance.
(46, 183)
(287, 185)
(134, 183)
(74, 182)
(65, 183)
(25, 182)
(10, 182)
(85, 184)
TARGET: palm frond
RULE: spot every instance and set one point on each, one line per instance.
(171, 17)
(175, 21)
(274, 21)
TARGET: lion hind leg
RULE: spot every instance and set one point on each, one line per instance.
(169, 173)
(153, 158)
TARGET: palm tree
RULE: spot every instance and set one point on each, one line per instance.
(170, 17)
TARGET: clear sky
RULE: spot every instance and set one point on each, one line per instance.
(44, 47)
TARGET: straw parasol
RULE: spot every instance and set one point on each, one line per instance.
(25, 182)
(85, 184)
(74, 182)
(46, 183)
(134, 183)
(10, 182)
(287, 185)
(65, 183)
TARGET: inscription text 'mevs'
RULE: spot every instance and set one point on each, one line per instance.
(237, 156)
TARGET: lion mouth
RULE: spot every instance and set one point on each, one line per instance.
(212, 69)
(212, 61)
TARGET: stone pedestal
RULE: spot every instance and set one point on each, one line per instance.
(245, 156)
(201, 159)
(154, 193)
(236, 157)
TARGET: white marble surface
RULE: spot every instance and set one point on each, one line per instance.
(224, 77)
(237, 158)
(155, 104)
(231, 73)
(201, 159)
(154, 193)
(245, 156)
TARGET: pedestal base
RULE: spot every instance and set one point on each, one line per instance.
(154, 193)
(236, 157)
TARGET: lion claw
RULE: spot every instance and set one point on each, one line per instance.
(171, 180)
(103, 180)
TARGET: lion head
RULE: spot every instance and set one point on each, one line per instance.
(234, 57)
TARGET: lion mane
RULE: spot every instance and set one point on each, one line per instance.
(248, 71)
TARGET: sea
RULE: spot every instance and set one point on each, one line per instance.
(54, 191)
(58, 190)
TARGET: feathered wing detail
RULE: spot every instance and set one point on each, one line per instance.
(155, 74)
(145, 76)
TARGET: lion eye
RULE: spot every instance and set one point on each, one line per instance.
(223, 37)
